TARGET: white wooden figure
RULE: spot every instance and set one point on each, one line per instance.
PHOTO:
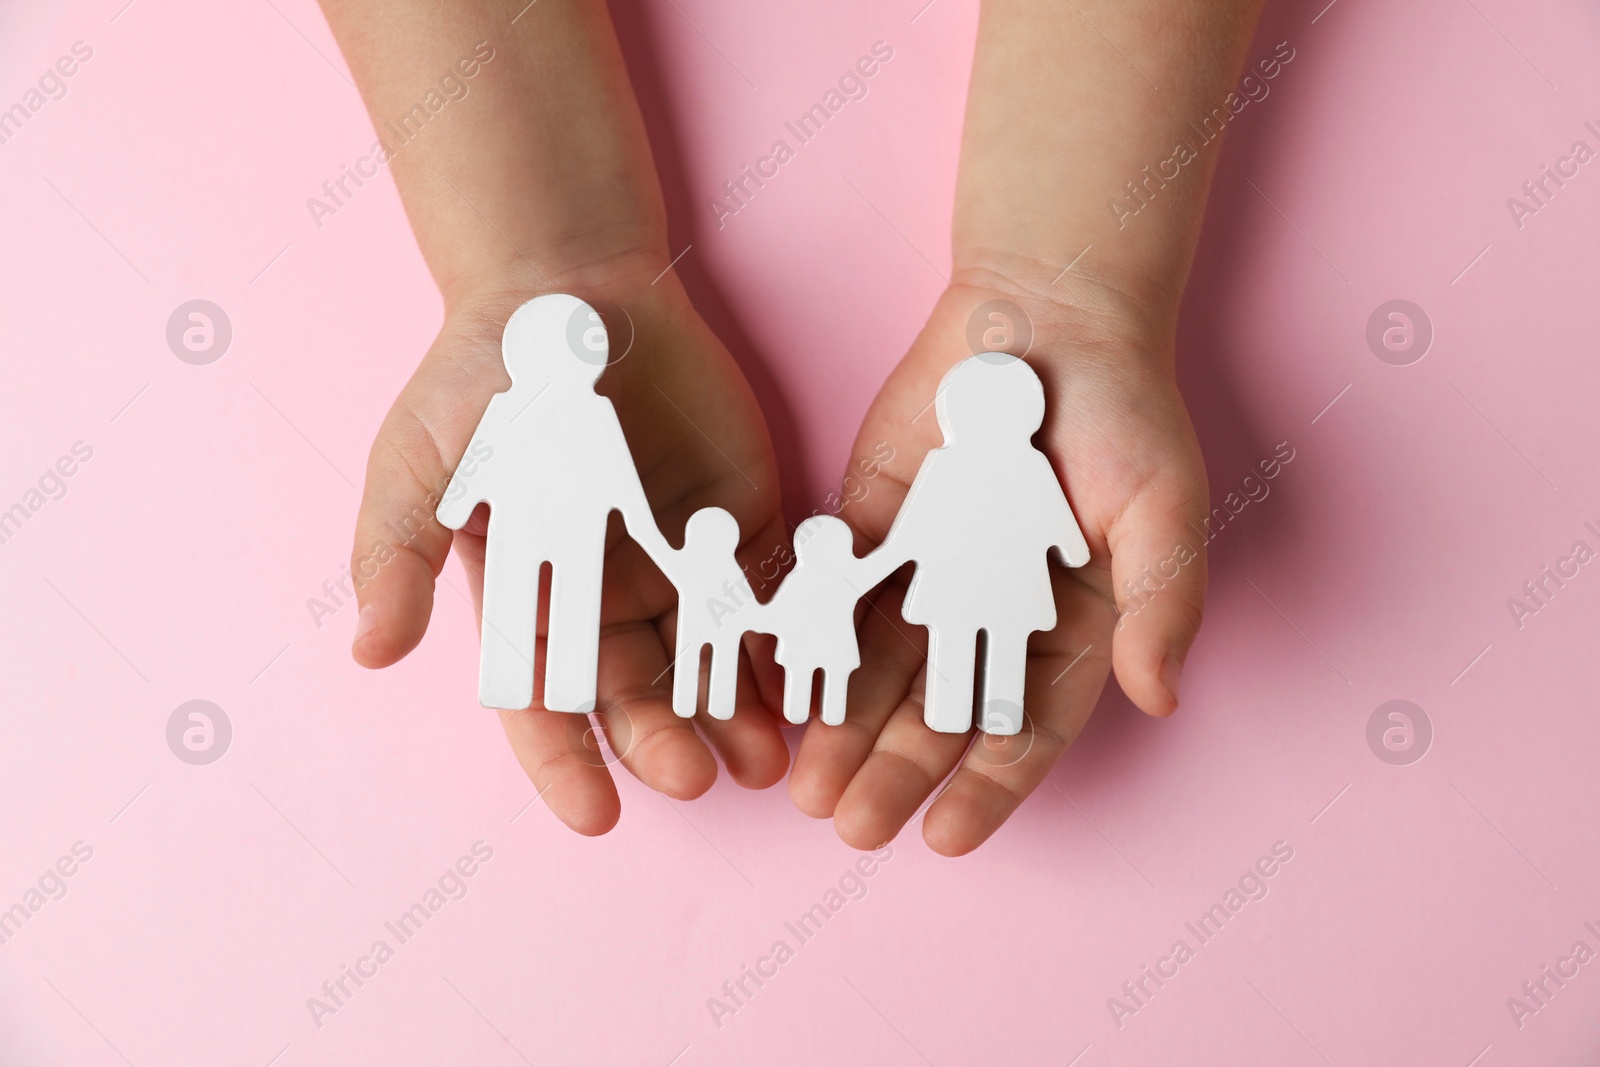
(979, 520)
(716, 607)
(550, 459)
(813, 615)
(557, 465)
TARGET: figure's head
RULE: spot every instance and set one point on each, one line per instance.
(712, 531)
(555, 338)
(823, 537)
(990, 396)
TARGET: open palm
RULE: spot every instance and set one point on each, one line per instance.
(698, 440)
(1120, 440)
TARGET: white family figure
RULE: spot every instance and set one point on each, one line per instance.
(979, 521)
(559, 466)
(711, 590)
(813, 615)
(980, 518)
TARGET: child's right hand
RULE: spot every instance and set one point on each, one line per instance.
(698, 439)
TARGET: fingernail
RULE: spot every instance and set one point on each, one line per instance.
(366, 622)
(1171, 671)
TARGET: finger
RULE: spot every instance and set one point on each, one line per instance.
(577, 790)
(751, 743)
(883, 461)
(762, 558)
(906, 764)
(400, 547)
(830, 756)
(1158, 571)
(1067, 669)
(641, 589)
(761, 652)
(635, 709)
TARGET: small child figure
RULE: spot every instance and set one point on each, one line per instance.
(813, 616)
(711, 587)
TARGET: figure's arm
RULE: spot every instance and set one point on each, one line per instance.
(753, 617)
(465, 491)
(900, 544)
(637, 514)
(769, 618)
(878, 564)
(641, 524)
(1071, 549)
(456, 507)
(1070, 546)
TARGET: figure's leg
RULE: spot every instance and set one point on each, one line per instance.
(724, 689)
(947, 705)
(510, 616)
(1005, 670)
(572, 645)
(686, 673)
(835, 686)
(797, 694)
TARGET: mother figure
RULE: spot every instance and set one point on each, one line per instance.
(979, 520)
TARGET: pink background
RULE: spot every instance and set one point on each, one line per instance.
(178, 565)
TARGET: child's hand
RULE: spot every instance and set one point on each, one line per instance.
(1069, 206)
(698, 439)
(1120, 440)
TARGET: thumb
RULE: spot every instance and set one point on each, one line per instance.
(1158, 570)
(400, 546)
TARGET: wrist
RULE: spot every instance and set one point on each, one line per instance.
(1085, 309)
(622, 273)
(651, 324)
